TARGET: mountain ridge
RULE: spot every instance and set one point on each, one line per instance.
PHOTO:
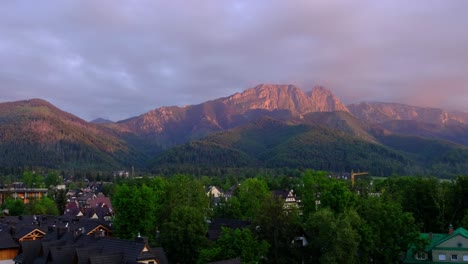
(36, 133)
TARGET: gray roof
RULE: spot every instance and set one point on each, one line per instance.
(228, 261)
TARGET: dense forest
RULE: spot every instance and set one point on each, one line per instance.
(372, 220)
(276, 145)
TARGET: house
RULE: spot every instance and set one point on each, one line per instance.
(230, 192)
(90, 205)
(288, 197)
(441, 248)
(214, 191)
(215, 227)
(80, 248)
(17, 190)
(16, 230)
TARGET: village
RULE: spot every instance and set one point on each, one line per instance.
(85, 231)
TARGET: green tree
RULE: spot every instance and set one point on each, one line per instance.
(138, 208)
(426, 198)
(235, 243)
(60, 200)
(459, 200)
(52, 179)
(279, 228)
(333, 237)
(228, 208)
(14, 206)
(319, 190)
(183, 235)
(252, 195)
(386, 230)
(44, 205)
(184, 227)
(32, 180)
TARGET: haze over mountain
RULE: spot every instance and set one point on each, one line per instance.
(267, 125)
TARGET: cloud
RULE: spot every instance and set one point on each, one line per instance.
(117, 59)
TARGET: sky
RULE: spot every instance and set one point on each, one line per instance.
(116, 59)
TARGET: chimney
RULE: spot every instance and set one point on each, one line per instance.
(430, 236)
(450, 231)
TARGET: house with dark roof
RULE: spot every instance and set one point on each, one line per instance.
(228, 261)
(80, 248)
(89, 205)
(215, 227)
(441, 248)
(15, 230)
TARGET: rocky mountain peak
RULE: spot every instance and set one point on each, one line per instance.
(378, 112)
(286, 97)
(270, 97)
(325, 100)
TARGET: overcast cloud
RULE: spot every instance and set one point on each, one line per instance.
(116, 59)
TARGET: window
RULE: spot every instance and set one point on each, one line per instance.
(442, 257)
(465, 257)
(454, 257)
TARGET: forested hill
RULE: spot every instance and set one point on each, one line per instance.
(34, 133)
(269, 143)
(267, 126)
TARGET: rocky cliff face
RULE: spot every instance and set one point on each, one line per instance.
(325, 101)
(283, 101)
(384, 112)
(286, 97)
(415, 121)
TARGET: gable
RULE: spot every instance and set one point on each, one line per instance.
(214, 191)
(100, 230)
(33, 235)
(457, 241)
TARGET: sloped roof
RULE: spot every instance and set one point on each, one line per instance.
(61, 254)
(110, 258)
(27, 230)
(215, 227)
(281, 193)
(160, 255)
(459, 231)
(82, 255)
(6, 239)
(435, 239)
(228, 261)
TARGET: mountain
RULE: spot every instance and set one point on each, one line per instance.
(101, 121)
(173, 125)
(383, 112)
(417, 121)
(269, 143)
(36, 133)
(268, 126)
